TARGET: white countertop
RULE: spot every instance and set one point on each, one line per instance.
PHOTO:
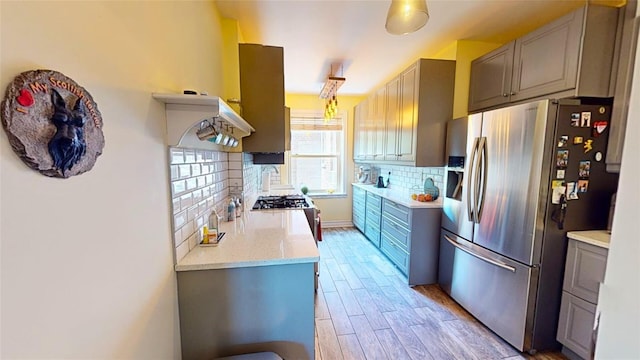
(401, 196)
(599, 238)
(258, 238)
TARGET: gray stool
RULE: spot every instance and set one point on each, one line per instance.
(253, 356)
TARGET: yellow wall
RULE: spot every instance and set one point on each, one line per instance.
(333, 209)
(231, 62)
(87, 262)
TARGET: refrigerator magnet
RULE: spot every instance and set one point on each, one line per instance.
(585, 119)
(583, 185)
(557, 183)
(598, 156)
(562, 142)
(599, 127)
(557, 194)
(572, 191)
(560, 174)
(584, 169)
(588, 146)
(577, 140)
(575, 119)
(562, 157)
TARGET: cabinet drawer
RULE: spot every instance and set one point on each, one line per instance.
(396, 232)
(373, 218)
(584, 270)
(372, 232)
(575, 326)
(358, 221)
(397, 212)
(374, 200)
(394, 252)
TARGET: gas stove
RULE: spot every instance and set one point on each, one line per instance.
(281, 202)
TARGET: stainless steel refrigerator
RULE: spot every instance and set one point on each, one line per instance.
(517, 180)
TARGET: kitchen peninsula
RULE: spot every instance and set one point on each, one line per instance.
(252, 292)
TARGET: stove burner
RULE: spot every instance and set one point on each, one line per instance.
(281, 202)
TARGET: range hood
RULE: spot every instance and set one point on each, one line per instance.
(186, 112)
(262, 98)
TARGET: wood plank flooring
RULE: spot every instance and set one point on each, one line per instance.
(365, 310)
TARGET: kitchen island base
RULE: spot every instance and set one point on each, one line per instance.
(235, 311)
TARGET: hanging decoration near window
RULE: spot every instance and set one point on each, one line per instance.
(52, 123)
(329, 92)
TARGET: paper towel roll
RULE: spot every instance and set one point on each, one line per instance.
(266, 181)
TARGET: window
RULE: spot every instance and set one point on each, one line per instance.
(316, 159)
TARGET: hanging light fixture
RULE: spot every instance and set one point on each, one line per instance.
(329, 92)
(406, 16)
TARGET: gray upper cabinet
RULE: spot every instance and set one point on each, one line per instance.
(490, 82)
(392, 118)
(262, 97)
(626, 59)
(571, 56)
(417, 104)
(359, 130)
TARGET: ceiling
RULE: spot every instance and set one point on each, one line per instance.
(347, 37)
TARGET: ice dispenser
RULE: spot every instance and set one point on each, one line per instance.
(455, 177)
(456, 152)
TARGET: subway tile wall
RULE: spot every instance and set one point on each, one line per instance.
(199, 182)
(407, 177)
(250, 176)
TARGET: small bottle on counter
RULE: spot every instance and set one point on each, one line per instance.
(238, 207)
(213, 226)
(205, 234)
(231, 210)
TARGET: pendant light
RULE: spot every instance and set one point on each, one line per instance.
(406, 16)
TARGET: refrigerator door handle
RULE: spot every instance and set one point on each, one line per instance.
(483, 258)
(482, 156)
(474, 151)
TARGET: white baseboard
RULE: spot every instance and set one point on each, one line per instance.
(336, 223)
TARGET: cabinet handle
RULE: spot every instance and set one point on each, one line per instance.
(505, 94)
(513, 93)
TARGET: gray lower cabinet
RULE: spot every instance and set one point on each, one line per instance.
(372, 218)
(409, 237)
(584, 271)
(580, 64)
(359, 202)
(242, 310)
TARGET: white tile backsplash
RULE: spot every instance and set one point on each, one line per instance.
(184, 171)
(177, 188)
(410, 178)
(200, 181)
(182, 250)
(189, 156)
(176, 156)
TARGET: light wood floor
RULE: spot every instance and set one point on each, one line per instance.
(366, 310)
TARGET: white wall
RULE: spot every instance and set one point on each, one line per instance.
(87, 262)
(619, 299)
